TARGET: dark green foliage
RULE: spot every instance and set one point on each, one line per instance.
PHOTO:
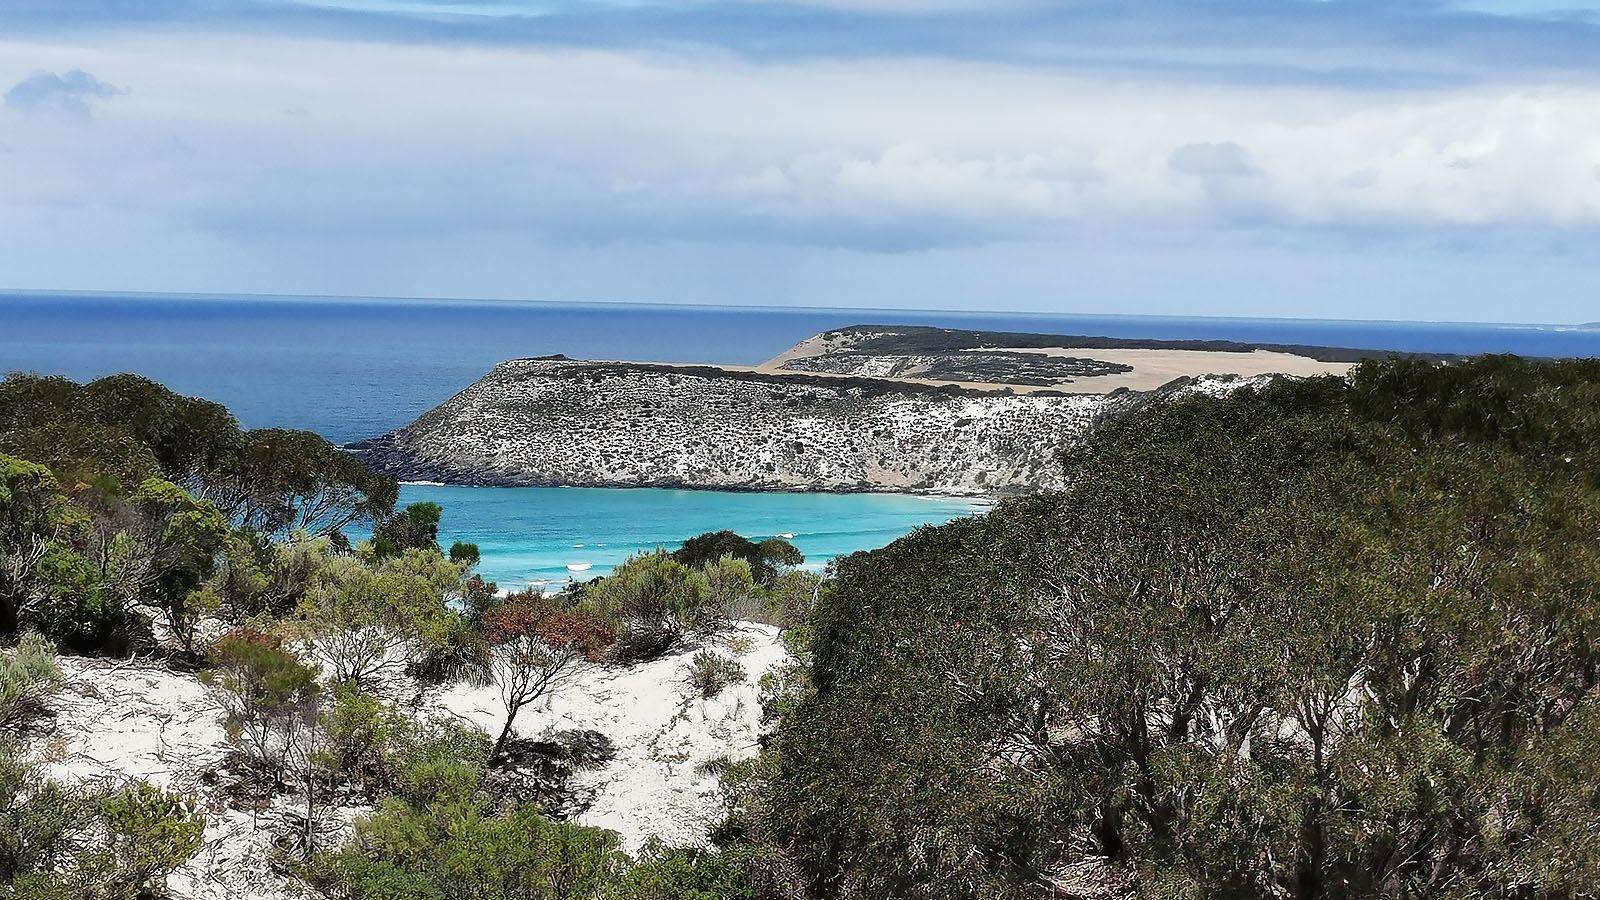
(464, 554)
(1320, 640)
(448, 845)
(414, 528)
(126, 506)
(663, 873)
(286, 481)
(123, 429)
(766, 558)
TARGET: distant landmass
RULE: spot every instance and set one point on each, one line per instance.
(863, 408)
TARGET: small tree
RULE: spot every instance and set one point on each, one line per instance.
(464, 554)
(265, 692)
(414, 528)
(535, 648)
(369, 623)
(767, 558)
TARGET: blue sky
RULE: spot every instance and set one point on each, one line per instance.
(1329, 158)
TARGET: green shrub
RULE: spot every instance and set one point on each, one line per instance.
(360, 732)
(414, 528)
(765, 559)
(27, 675)
(374, 745)
(710, 672)
(455, 849)
(464, 554)
(41, 821)
(664, 873)
(90, 843)
(268, 695)
(651, 598)
(1326, 639)
(148, 833)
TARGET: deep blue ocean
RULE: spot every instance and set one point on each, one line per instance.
(354, 368)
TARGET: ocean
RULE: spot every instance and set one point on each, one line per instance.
(355, 368)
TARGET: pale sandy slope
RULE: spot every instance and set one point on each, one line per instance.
(120, 720)
(1154, 368)
(663, 730)
(1151, 368)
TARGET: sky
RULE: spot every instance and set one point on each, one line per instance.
(1375, 159)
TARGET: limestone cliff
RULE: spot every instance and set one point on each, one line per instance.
(554, 421)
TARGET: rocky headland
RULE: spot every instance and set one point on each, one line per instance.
(868, 408)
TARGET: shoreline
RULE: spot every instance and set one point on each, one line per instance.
(990, 497)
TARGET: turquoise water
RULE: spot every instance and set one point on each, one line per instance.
(530, 535)
(353, 368)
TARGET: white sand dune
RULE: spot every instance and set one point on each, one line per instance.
(117, 721)
(135, 720)
(663, 730)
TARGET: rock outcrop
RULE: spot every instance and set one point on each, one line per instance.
(555, 421)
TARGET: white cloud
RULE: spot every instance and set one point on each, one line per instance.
(245, 144)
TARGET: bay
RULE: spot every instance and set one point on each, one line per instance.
(529, 536)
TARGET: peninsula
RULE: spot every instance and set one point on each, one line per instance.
(864, 408)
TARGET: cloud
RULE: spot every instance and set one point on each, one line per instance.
(270, 155)
(871, 156)
(69, 93)
(1212, 159)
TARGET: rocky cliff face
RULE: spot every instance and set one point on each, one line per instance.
(565, 422)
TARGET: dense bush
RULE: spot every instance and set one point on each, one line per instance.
(90, 842)
(383, 751)
(129, 502)
(368, 621)
(665, 873)
(1323, 639)
(128, 429)
(414, 528)
(452, 846)
(651, 598)
(147, 834)
(766, 559)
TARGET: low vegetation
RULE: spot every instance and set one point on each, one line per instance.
(140, 522)
(1323, 639)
